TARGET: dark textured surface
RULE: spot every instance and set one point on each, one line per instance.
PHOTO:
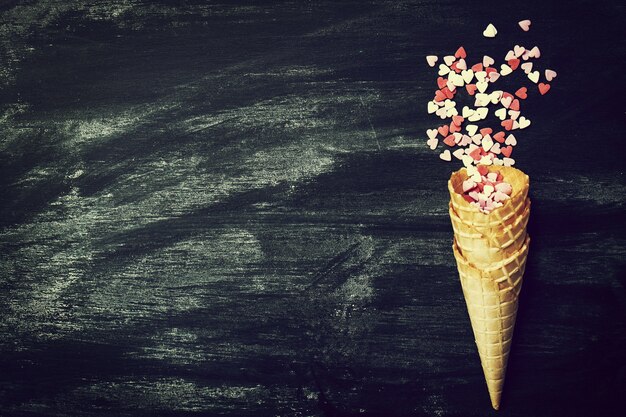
(230, 209)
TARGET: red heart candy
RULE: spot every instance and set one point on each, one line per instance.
(499, 137)
(486, 131)
(514, 105)
(449, 140)
(443, 130)
(522, 93)
(439, 96)
(507, 124)
(460, 53)
(543, 88)
(457, 120)
(471, 89)
(490, 70)
(477, 67)
(453, 66)
(475, 154)
(506, 151)
(441, 82)
(505, 95)
(482, 170)
(513, 63)
(454, 128)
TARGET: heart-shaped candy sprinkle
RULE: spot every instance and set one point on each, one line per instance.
(449, 59)
(482, 86)
(432, 60)
(535, 52)
(457, 120)
(514, 114)
(458, 154)
(490, 31)
(509, 56)
(487, 61)
(519, 50)
(499, 137)
(506, 151)
(506, 101)
(522, 93)
(446, 155)
(510, 140)
(523, 122)
(477, 67)
(513, 63)
(449, 140)
(432, 143)
(550, 74)
(505, 70)
(443, 69)
(543, 88)
(527, 67)
(460, 53)
(534, 76)
(501, 113)
(524, 24)
(471, 129)
(514, 105)
(431, 133)
(507, 124)
(471, 89)
(443, 130)
(467, 75)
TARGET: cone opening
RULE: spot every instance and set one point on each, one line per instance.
(519, 182)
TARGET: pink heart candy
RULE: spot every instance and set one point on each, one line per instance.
(550, 74)
(524, 24)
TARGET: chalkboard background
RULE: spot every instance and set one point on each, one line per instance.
(230, 209)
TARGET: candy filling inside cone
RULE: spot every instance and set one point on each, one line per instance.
(490, 249)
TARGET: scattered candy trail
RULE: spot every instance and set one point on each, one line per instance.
(482, 146)
(485, 190)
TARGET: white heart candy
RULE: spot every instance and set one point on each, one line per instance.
(495, 148)
(482, 86)
(461, 64)
(432, 143)
(468, 75)
(487, 61)
(458, 154)
(431, 133)
(456, 79)
(480, 75)
(450, 85)
(493, 77)
(497, 162)
(501, 113)
(495, 96)
(519, 50)
(445, 155)
(534, 76)
(443, 69)
(508, 162)
(506, 101)
(482, 112)
(487, 143)
(505, 70)
(466, 112)
(490, 31)
(451, 112)
(471, 129)
(441, 112)
(509, 56)
(467, 161)
(432, 60)
(449, 59)
(510, 140)
(514, 114)
(432, 107)
(535, 52)
(477, 139)
(523, 122)
(448, 104)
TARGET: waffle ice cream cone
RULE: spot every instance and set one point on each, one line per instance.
(490, 251)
